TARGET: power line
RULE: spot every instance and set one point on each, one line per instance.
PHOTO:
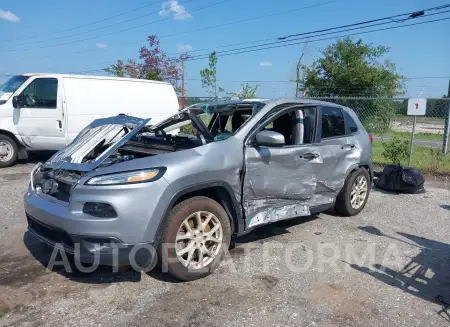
(277, 45)
(272, 44)
(111, 25)
(282, 39)
(85, 25)
(121, 31)
(211, 27)
(268, 39)
(317, 40)
(307, 37)
(412, 15)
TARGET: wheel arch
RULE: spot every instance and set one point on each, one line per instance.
(355, 167)
(220, 192)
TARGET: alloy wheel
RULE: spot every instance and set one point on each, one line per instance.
(359, 192)
(199, 240)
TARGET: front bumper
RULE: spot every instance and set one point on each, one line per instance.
(140, 210)
(93, 250)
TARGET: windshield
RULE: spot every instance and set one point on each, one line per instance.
(213, 126)
(11, 85)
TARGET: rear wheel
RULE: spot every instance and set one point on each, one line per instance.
(197, 232)
(353, 196)
(8, 151)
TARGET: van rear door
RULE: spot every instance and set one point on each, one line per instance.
(40, 120)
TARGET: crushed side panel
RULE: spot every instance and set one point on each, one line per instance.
(278, 184)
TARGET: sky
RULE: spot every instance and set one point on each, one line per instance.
(75, 36)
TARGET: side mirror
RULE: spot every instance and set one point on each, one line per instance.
(270, 138)
(17, 102)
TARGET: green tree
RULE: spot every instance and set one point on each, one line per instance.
(351, 68)
(209, 76)
(247, 91)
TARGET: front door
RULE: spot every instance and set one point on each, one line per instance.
(40, 120)
(280, 182)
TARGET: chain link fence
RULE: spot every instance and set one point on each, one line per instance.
(387, 120)
(188, 101)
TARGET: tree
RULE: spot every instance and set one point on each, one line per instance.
(247, 91)
(351, 68)
(209, 76)
(154, 64)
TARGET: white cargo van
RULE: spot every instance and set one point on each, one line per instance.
(46, 111)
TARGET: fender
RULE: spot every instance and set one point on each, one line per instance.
(358, 165)
(237, 219)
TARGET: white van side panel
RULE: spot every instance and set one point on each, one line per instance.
(88, 99)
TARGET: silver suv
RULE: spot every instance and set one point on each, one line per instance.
(185, 186)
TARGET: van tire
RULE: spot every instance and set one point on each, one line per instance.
(168, 260)
(343, 204)
(11, 145)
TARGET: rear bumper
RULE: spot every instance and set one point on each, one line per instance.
(94, 250)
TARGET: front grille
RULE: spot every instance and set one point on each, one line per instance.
(50, 233)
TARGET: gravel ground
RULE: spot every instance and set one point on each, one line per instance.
(382, 268)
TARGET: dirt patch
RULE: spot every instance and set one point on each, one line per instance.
(350, 305)
(19, 271)
(4, 308)
(421, 127)
(206, 303)
(268, 281)
(14, 176)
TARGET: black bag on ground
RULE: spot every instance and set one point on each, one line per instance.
(396, 178)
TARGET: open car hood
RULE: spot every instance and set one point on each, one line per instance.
(108, 133)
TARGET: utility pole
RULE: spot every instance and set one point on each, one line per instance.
(447, 123)
(183, 95)
(297, 88)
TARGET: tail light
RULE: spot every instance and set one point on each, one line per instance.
(371, 138)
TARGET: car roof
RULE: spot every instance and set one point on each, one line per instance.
(224, 105)
(99, 77)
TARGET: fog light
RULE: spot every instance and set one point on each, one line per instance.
(100, 210)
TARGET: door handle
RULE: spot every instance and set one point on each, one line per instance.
(59, 123)
(351, 146)
(310, 155)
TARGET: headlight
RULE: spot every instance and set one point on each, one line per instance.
(129, 177)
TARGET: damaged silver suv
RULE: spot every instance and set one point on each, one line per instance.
(185, 186)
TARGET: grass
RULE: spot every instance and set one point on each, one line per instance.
(417, 136)
(423, 158)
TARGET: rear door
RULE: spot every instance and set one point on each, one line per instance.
(340, 151)
(280, 182)
(40, 120)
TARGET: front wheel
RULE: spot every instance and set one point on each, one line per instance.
(353, 196)
(196, 234)
(8, 151)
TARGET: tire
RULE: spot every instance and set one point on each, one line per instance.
(344, 204)
(182, 216)
(8, 151)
